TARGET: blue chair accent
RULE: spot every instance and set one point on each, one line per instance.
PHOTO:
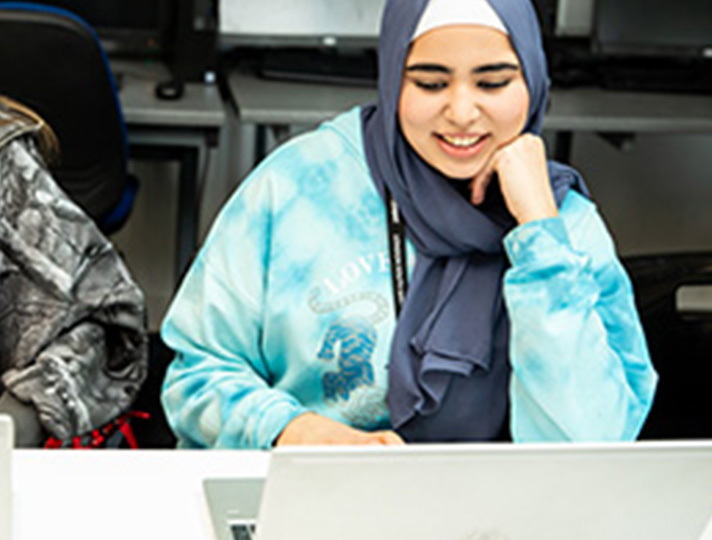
(51, 60)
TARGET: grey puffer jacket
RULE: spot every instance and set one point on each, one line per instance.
(72, 321)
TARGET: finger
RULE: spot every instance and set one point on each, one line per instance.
(390, 438)
(479, 186)
(481, 181)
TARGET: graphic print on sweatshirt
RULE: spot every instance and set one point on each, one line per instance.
(349, 342)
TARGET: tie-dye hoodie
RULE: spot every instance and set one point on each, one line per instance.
(288, 308)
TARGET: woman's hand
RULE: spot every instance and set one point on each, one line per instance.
(523, 177)
(313, 429)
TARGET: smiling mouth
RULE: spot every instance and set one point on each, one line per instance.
(462, 146)
(461, 141)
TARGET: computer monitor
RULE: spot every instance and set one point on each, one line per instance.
(125, 27)
(300, 23)
(679, 29)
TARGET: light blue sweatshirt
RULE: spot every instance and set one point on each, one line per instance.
(289, 304)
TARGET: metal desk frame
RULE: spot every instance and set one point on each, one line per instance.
(172, 131)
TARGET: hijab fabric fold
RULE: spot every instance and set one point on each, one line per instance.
(449, 365)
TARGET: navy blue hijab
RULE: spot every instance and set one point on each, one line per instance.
(449, 366)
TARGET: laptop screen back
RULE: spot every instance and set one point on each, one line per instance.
(655, 491)
(6, 444)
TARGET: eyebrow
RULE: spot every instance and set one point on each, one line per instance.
(438, 68)
(502, 66)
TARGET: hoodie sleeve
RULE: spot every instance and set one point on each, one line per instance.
(73, 337)
(580, 365)
(218, 391)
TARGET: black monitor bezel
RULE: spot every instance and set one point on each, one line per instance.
(603, 48)
(130, 41)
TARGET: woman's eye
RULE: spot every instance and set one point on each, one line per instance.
(490, 85)
(431, 86)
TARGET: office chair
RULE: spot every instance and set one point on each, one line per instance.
(679, 337)
(52, 62)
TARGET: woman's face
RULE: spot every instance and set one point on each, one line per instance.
(463, 96)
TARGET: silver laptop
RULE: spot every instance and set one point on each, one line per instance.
(6, 444)
(634, 491)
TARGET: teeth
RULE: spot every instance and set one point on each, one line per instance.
(461, 142)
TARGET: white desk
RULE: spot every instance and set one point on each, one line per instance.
(124, 494)
(200, 107)
(120, 494)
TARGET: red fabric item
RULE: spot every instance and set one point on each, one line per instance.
(98, 437)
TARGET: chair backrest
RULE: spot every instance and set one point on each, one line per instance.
(52, 62)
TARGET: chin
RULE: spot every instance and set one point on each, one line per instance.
(461, 177)
(459, 174)
(458, 171)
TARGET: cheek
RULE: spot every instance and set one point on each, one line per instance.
(511, 112)
(415, 112)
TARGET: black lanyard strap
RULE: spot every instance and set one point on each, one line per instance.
(397, 250)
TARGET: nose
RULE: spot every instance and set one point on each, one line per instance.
(462, 108)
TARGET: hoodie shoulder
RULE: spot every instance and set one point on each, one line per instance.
(336, 145)
(347, 126)
(335, 138)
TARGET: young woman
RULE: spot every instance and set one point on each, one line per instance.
(294, 326)
(73, 349)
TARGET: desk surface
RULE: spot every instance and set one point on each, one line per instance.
(120, 494)
(262, 101)
(200, 107)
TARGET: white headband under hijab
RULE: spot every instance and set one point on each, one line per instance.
(456, 12)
